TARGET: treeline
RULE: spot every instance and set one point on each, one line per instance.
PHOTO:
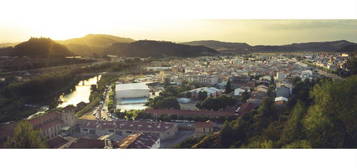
(46, 88)
(322, 114)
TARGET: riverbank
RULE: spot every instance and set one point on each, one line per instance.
(20, 99)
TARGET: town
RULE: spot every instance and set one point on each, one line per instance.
(172, 100)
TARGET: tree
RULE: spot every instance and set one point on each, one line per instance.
(202, 95)
(25, 137)
(164, 103)
(217, 103)
(331, 121)
(228, 87)
(244, 97)
(293, 129)
(298, 144)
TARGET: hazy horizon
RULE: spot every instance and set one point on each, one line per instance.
(253, 32)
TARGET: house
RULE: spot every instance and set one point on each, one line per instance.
(211, 91)
(262, 88)
(281, 100)
(245, 108)
(280, 76)
(203, 79)
(124, 128)
(238, 91)
(85, 143)
(140, 141)
(203, 128)
(57, 142)
(307, 74)
(282, 91)
(240, 81)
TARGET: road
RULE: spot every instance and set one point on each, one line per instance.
(104, 110)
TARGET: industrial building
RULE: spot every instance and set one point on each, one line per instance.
(131, 90)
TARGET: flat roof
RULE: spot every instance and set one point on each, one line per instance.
(132, 86)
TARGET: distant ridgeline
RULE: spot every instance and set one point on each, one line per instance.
(148, 48)
(38, 48)
(224, 47)
(97, 45)
(330, 46)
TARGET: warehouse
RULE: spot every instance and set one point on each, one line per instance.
(131, 90)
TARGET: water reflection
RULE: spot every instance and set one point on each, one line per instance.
(81, 92)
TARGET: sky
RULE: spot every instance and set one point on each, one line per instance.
(177, 21)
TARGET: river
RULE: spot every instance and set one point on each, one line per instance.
(81, 92)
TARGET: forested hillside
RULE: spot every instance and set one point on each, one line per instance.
(322, 114)
(149, 48)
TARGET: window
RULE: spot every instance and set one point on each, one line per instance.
(85, 129)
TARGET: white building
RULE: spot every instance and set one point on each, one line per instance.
(211, 91)
(131, 90)
(238, 91)
(307, 74)
(280, 76)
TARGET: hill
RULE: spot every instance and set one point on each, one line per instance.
(329, 46)
(148, 48)
(223, 47)
(349, 48)
(4, 45)
(41, 48)
(93, 44)
(228, 47)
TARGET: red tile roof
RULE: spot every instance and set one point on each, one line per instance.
(189, 112)
(207, 124)
(56, 142)
(245, 108)
(139, 141)
(145, 126)
(87, 143)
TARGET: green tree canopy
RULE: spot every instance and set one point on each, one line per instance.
(25, 137)
(331, 121)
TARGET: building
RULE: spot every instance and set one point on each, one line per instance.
(125, 128)
(191, 113)
(202, 79)
(241, 81)
(283, 91)
(245, 108)
(85, 143)
(203, 128)
(280, 76)
(211, 91)
(50, 124)
(140, 141)
(158, 68)
(307, 74)
(131, 90)
(281, 100)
